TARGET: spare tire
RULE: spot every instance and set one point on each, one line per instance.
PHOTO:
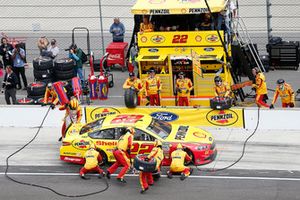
(140, 164)
(64, 64)
(130, 98)
(42, 74)
(36, 89)
(25, 101)
(64, 75)
(42, 63)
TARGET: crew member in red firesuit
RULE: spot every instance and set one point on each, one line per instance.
(50, 96)
(261, 88)
(134, 83)
(183, 86)
(146, 178)
(177, 165)
(153, 87)
(221, 89)
(286, 92)
(73, 110)
(92, 160)
(122, 155)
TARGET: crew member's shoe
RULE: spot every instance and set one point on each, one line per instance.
(83, 177)
(144, 190)
(108, 175)
(169, 175)
(121, 180)
(182, 177)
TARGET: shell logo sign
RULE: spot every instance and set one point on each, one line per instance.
(157, 39)
(222, 117)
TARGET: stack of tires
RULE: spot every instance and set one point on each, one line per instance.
(64, 69)
(43, 69)
(35, 91)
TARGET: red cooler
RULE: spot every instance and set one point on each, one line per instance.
(117, 53)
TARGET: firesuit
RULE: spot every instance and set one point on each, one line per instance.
(177, 165)
(50, 92)
(184, 86)
(221, 89)
(122, 155)
(134, 83)
(286, 92)
(146, 178)
(92, 158)
(73, 115)
(153, 87)
(261, 88)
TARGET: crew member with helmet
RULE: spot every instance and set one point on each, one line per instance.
(92, 159)
(286, 92)
(134, 83)
(73, 110)
(261, 88)
(146, 25)
(177, 164)
(122, 155)
(50, 96)
(184, 86)
(156, 153)
(221, 89)
(153, 87)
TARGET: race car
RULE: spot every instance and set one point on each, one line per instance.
(105, 132)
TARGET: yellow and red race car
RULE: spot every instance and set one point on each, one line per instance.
(105, 132)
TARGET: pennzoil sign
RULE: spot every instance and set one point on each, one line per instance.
(157, 39)
(222, 117)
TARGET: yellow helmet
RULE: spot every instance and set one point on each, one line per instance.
(157, 143)
(74, 104)
(131, 130)
(179, 146)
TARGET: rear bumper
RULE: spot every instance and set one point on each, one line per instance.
(71, 159)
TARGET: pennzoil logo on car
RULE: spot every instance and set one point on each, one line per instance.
(81, 144)
(102, 112)
(157, 39)
(212, 38)
(165, 116)
(222, 117)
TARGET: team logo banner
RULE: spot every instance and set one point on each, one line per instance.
(188, 116)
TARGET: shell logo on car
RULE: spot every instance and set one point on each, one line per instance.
(157, 39)
(222, 117)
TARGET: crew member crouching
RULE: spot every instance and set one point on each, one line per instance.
(286, 92)
(50, 96)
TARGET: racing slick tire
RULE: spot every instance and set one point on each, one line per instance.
(42, 63)
(42, 74)
(25, 101)
(64, 75)
(64, 64)
(140, 164)
(130, 98)
(36, 89)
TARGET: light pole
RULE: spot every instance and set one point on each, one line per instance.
(101, 26)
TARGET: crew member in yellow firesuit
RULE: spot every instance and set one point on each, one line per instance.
(122, 155)
(50, 96)
(261, 88)
(221, 89)
(92, 159)
(286, 92)
(146, 178)
(183, 86)
(134, 83)
(73, 110)
(153, 87)
(177, 165)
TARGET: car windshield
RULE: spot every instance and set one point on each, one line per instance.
(161, 128)
(95, 125)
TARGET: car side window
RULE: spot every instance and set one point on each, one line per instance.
(103, 134)
(119, 131)
(142, 136)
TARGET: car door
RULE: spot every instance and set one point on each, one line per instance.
(143, 143)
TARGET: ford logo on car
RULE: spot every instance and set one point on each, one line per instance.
(209, 49)
(165, 116)
(153, 50)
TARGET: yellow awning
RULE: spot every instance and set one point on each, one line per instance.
(176, 7)
(151, 58)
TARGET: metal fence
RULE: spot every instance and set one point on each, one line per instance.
(30, 19)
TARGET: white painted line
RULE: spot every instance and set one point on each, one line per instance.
(164, 176)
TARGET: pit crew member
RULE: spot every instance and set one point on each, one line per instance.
(183, 86)
(286, 92)
(134, 83)
(50, 96)
(153, 87)
(221, 89)
(261, 88)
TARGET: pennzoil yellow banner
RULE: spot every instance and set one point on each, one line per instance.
(188, 116)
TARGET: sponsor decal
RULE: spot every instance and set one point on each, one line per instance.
(104, 143)
(199, 135)
(198, 38)
(72, 159)
(157, 39)
(153, 50)
(165, 116)
(102, 112)
(114, 56)
(144, 39)
(209, 49)
(222, 117)
(198, 10)
(159, 11)
(81, 144)
(212, 38)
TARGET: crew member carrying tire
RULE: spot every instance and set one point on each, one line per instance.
(73, 115)
(177, 165)
(134, 84)
(50, 96)
(183, 87)
(146, 178)
(122, 155)
(92, 160)
(261, 88)
(286, 92)
(221, 89)
(153, 87)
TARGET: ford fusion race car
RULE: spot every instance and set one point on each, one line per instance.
(105, 132)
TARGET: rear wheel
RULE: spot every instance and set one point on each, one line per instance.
(104, 158)
(189, 152)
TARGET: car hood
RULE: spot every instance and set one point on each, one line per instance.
(189, 134)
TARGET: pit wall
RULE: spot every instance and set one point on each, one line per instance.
(245, 118)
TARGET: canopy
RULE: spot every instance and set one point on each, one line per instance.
(176, 7)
